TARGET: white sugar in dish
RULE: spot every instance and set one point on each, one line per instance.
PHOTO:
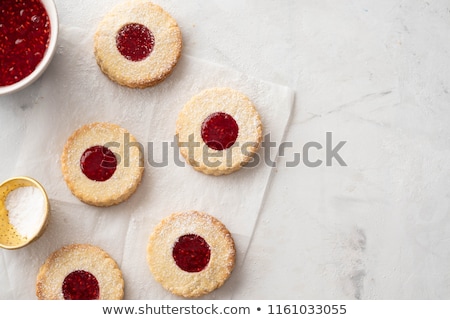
(26, 210)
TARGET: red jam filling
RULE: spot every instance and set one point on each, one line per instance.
(135, 41)
(191, 253)
(24, 37)
(219, 131)
(80, 285)
(98, 163)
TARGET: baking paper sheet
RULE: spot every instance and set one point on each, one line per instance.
(73, 92)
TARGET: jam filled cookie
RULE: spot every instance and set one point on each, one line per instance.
(191, 253)
(219, 130)
(79, 272)
(102, 164)
(137, 44)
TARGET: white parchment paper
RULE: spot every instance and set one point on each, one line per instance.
(73, 92)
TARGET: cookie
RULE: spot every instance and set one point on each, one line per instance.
(191, 253)
(219, 130)
(79, 272)
(137, 44)
(102, 164)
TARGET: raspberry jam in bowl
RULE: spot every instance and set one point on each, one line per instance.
(28, 34)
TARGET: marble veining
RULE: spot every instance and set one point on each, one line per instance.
(375, 74)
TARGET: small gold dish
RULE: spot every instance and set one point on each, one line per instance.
(9, 237)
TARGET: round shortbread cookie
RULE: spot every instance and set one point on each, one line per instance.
(137, 44)
(102, 164)
(219, 130)
(79, 272)
(191, 253)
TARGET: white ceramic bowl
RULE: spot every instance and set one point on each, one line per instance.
(54, 26)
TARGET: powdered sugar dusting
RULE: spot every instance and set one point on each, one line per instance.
(26, 210)
(157, 65)
(173, 278)
(201, 106)
(127, 176)
(79, 257)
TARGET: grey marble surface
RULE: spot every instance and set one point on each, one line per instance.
(373, 75)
